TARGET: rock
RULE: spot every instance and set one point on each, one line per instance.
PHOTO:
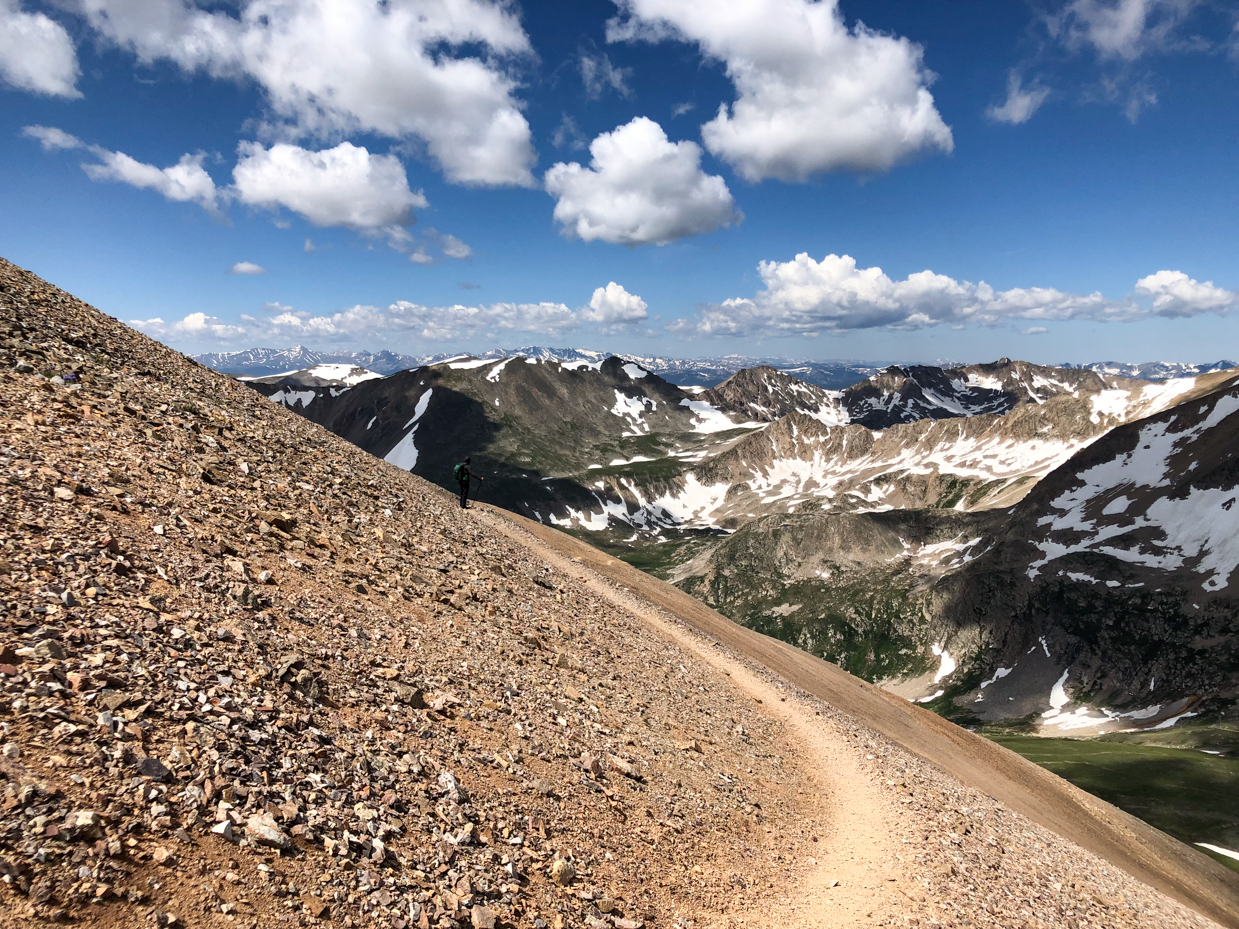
(63, 493)
(223, 830)
(562, 872)
(262, 830)
(591, 764)
(316, 906)
(482, 917)
(85, 824)
(451, 788)
(49, 648)
(625, 768)
(411, 696)
(11, 751)
(153, 768)
(164, 856)
(68, 599)
(690, 746)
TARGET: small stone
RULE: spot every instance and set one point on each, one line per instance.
(625, 768)
(264, 577)
(223, 829)
(591, 764)
(63, 493)
(49, 648)
(164, 856)
(482, 917)
(411, 696)
(562, 872)
(68, 599)
(158, 530)
(451, 787)
(85, 823)
(262, 830)
(153, 768)
(316, 906)
(11, 750)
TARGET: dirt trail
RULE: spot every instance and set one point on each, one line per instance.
(1143, 852)
(850, 883)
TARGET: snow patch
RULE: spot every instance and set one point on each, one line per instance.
(946, 665)
(404, 455)
(1217, 849)
(418, 411)
(290, 397)
(633, 409)
(493, 374)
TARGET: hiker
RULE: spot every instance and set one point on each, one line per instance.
(463, 472)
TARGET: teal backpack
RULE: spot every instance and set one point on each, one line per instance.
(458, 471)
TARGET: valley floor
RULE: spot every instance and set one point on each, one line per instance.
(903, 842)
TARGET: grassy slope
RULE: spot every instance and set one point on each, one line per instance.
(1188, 794)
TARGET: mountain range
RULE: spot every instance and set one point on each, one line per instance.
(701, 372)
(884, 526)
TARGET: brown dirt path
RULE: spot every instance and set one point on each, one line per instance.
(850, 883)
(1140, 850)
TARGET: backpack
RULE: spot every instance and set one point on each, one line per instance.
(458, 472)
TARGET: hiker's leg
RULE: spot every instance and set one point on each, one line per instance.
(464, 494)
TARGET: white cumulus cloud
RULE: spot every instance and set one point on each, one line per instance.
(435, 71)
(247, 267)
(813, 96)
(36, 53)
(1175, 294)
(1021, 103)
(186, 181)
(808, 297)
(613, 305)
(344, 186)
(639, 189)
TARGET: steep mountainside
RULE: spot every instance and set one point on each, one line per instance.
(1102, 601)
(764, 394)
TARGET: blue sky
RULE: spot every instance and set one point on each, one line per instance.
(1053, 180)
